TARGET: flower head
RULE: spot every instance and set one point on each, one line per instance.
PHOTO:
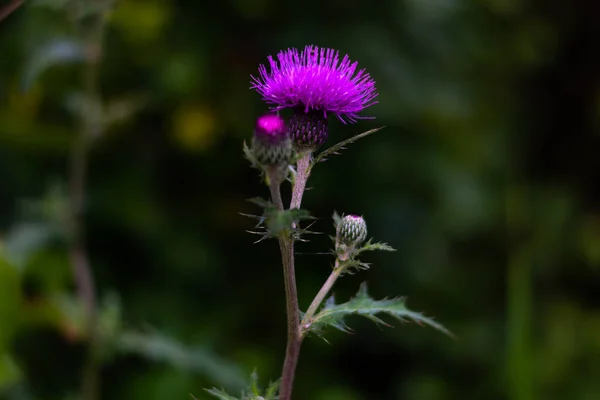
(315, 79)
(271, 143)
(270, 128)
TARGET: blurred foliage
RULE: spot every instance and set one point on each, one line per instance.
(485, 180)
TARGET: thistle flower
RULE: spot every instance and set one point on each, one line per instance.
(271, 146)
(351, 231)
(314, 82)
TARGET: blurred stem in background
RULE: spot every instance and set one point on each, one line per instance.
(92, 33)
(10, 8)
(519, 295)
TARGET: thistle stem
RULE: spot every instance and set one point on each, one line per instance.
(276, 195)
(286, 246)
(302, 174)
(318, 300)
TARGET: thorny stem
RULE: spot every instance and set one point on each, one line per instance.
(286, 246)
(78, 255)
(293, 316)
(287, 251)
(318, 300)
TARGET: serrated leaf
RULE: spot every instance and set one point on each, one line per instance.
(262, 203)
(333, 315)
(338, 147)
(271, 391)
(373, 246)
(252, 393)
(254, 383)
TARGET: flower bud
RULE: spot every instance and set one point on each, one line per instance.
(351, 231)
(271, 144)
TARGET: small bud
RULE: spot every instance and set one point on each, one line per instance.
(271, 143)
(308, 130)
(351, 231)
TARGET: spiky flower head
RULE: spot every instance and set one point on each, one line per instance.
(352, 230)
(271, 144)
(314, 82)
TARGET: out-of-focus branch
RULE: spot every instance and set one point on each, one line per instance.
(89, 128)
(10, 8)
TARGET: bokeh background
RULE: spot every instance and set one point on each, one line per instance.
(485, 179)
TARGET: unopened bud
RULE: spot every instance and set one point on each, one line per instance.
(271, 143)
(351, 231)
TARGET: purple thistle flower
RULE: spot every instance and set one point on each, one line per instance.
(315, 82)
(271, 128)
(315, 79)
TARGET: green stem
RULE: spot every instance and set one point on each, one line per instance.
(519, 298)
(318, 300)
(286, 247)
(275, 189)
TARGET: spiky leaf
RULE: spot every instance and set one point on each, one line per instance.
(274, 222)
(252, 393)
(373, 246)
(334, 315)
(337, 218)
(338, 147)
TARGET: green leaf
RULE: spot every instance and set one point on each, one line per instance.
(252, 393)
(338, 147)
(57, 51)
(373, 246)
(271, 391)
(274, 222)
(24, 240)
(353, 263)
(155, 346)
(220, 394)
(333, 315)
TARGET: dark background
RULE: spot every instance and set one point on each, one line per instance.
(485, 179)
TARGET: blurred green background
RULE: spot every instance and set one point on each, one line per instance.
(485, 179)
